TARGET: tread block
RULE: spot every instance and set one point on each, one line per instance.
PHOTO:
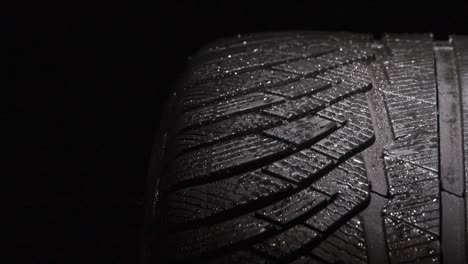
(416, 194)
(330, 113)
(339, 92)
(233, 85)
(412, 110)
(355, 75)
(301, 166)
(228, 155)
(352, 137)
(408, 244)
(344, 142)
(295, 206)
(331, 215)
(309, 66)
(302, 131)
(343, 57)
(205, 200)
(305, 48)
(421, 150)
(412, 82)
(224, 129)
(237, 105)
(245, 62)
(287, 242)
(244, 43)
(424, 215)
(199, 241)
(346, 245)
(293, 45)
(298, 42)
(401, 173)
(265, 37)
(353, 233)
(296, 108)
(300, 88)
(334, 254)
(412, 90)
(350, 182)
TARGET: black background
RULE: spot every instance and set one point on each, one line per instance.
(91, 80)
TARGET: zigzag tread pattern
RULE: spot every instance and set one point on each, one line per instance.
(267, 165)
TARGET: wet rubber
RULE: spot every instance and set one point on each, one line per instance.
(312, 147)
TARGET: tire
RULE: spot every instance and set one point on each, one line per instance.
(311, 147)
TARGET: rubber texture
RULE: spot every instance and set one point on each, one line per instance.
(311, 147)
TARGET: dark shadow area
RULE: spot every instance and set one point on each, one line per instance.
(91, 82)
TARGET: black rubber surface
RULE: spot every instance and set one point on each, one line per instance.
(314, 147)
